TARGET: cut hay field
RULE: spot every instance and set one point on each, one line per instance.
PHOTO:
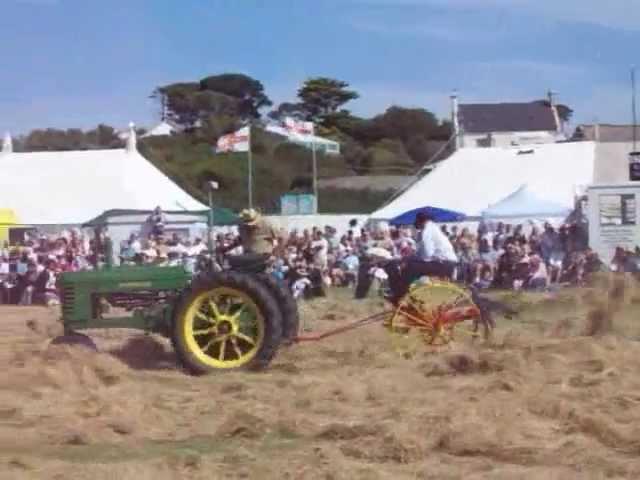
(541, 401)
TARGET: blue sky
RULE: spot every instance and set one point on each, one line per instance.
(76, 63)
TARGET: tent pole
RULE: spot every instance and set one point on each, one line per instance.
(250, 174)
(210, 226)
(315, 176)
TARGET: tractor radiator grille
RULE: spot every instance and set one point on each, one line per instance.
(68, 300)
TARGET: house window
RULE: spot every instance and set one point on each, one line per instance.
(617, 209)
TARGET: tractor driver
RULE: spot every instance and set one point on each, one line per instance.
(256, 236)
(435, 257)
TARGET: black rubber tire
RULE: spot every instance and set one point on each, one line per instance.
(75, 339)
(288, 307)
(264, 300)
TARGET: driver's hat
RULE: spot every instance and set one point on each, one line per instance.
(249, 216)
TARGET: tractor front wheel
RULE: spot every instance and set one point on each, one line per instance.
(226, 321)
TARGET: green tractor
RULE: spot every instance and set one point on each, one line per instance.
(216, 321)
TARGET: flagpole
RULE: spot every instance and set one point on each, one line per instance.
(315, 175)
(250, 175)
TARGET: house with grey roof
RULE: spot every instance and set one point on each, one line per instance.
(481, 125)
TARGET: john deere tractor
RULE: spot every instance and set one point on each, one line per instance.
(216, 321)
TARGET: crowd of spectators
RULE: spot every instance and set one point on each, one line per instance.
(493, 256)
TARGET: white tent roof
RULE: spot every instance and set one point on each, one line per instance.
(163, 128)
(74, 187)
(525, 203)
(472, 179)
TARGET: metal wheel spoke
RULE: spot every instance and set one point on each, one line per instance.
(234, 342)
(214, 309)
(204, 317)
(223, 346)
(210, 343)
(203, 331)
(227, 308)
(239, 312)
(246, 338)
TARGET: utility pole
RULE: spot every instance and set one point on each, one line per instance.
(633, 106)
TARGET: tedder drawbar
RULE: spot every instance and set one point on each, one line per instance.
(236, 318)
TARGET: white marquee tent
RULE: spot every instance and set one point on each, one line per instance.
(162, 129)
(525, 203)
(473, 179)
(61, 188)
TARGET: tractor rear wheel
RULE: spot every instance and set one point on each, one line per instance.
(226, 321)
(288, 306)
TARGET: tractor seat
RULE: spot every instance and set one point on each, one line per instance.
(248, 263)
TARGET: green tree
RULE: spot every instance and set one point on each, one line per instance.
(178, 98)
(288, 109)
(192, 104)
(248, 91)
(322, 96)
(405, 123)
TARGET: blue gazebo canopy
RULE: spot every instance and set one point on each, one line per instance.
(438, 214)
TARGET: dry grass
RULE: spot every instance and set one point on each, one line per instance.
(542, 400)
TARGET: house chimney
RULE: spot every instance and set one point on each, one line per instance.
(7, 144)
(552, 103)
(131, 139)
(454, 119)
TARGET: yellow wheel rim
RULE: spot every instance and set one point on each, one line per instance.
(418, 319)
(223, 328)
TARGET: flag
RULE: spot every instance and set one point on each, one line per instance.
(234, 142)
(297, 127)
(330, 147)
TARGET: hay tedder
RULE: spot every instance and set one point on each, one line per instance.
(235, 319)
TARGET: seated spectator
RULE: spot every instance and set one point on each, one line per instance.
(27, 284)
(592, 264)
(505, 273)
(538, 277)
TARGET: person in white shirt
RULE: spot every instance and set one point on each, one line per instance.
(320, 248)
(433, 244)
(435, 257)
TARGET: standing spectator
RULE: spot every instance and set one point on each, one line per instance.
(27, 284)
(158, 221)
(320, 249)
(45, 286)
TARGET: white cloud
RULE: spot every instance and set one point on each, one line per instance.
(622, 14)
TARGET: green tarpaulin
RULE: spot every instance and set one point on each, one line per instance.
(221, 216)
